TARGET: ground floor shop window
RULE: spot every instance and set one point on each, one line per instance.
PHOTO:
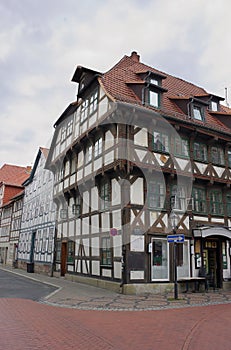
(160, 260)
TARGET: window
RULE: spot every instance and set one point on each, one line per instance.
(77, 208)
(199, 200)
(106, 252)
(182, 258)
(98, 147)
(70, 251)
(198, 113)
(156, 194)
(154, 81)
(69, 127)
(178, 198)
(229, 157)
(214, 106)
(181, 147)
(217, 155)
(104, 192)
(160, 259)
(88, 154)
(200, 151)
(216, 205)
(160, 142)
(63, 134)
(89, 105)
(154, 99)
(228, 204)
(58, 251)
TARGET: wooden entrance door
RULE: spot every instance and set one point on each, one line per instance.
(64, 258)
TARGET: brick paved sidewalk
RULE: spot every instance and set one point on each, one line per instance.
(81, 296)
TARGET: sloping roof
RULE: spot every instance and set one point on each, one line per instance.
(128, 69)
(13, 174)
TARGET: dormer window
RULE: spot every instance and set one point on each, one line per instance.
(154, 81)
(198, 112)
(154, 99)
(214, 106)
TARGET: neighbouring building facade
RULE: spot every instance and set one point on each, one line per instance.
(37, 231)
(139, 154)
(11, 197)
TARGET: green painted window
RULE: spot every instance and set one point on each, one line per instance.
(104, 192)
(106, 252)
(216, 204)
(228, 204)
(181, 147)
(217, 155)
(160, 142)
(200, 151)
(199, 200)
(178, 198)
(156, 194)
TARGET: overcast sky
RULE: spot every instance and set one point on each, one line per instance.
(42, 42)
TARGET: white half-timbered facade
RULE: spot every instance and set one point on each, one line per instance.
(137, 148)
(37, 232)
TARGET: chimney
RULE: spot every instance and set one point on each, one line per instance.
(135, 57)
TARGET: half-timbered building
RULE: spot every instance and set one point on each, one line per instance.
(139, 154)
(37, 231)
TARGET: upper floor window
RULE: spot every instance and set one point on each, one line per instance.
(200, 151)
(198, 112)
(199, 200)
(154, 98)
(229, 157)
(77, 206)
(216, 204)
(181, 147)
(156, 194)
(217, 155)
(63, 134)
(88, 156)
(89, 105)
(98, 147)
(160, 142)
(228, 204)
(214, 106)
(104, 193)
(69, 127)
(178, 198)
(154, 81)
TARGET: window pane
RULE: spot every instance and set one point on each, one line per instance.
(153, 99)
(159, 259)
(197, 113)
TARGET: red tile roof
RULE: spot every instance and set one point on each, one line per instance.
(117, 82)
(13, 174)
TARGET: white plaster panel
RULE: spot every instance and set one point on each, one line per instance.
(137, 243)
(109, 158)
(137, 192)
(95, 246)
(72, 179)
(103, 105)
(109, 140)
(88, 169)
(101, 93)
(201, 218)
(85, 226)
(182, 163)
(94, 198)
(78, 267)
(85, 202)
(95, 224)
(116, 219)
(95, 265)
(116, 192)
(117, 246)
(217, 220)
(105, 221)
(71, 228)
(83, 127)
(136, 275)
(106, 273)
(84, 266)
(86, 246)
(141, 154)
(117, 270)
(78, 227)
(79, 174)
(219, 170)
(201, 167)
(98, 163)
(141, 138)
(65, 229)
(92, 120)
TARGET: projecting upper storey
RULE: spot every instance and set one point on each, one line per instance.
(134, 82)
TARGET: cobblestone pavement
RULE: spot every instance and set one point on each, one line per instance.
(80, 296)
(90, 318)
